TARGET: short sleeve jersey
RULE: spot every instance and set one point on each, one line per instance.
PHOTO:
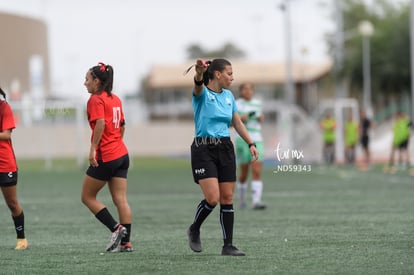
(253, 126)
(213, 113)
(108, 107)
(328, 125)
(401, 130)
(7, 157)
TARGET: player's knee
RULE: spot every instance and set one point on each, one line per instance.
(242, 178)
(213, 200)
(256, 174)
(13, 205)
(85, 199)
(226, 199)
(119, 202)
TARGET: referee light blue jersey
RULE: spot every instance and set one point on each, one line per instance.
(213, 113)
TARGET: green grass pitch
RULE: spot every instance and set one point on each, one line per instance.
(327, 221)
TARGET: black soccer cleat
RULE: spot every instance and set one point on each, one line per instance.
(230, 250)
(194, 240)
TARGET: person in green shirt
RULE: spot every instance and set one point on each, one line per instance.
(401, 137)
(351, 139)
(328, 126)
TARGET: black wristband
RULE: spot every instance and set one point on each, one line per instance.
(252, 144)
(198, 82)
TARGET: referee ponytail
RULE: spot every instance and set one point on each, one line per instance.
(218, 64)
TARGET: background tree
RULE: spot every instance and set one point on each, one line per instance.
(228, 50)
(390, 48)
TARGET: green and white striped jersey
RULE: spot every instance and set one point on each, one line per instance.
(253, 107)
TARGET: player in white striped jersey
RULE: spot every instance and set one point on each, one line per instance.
(250, 111)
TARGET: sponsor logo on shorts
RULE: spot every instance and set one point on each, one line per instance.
(10, 174)
(200, 171)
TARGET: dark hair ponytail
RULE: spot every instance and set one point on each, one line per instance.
(105, 74)
(214, 65)
(3, 93)
(207, 73)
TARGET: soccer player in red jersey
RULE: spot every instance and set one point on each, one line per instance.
(108, 157)
(8, 171)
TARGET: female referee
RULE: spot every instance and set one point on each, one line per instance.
(8, 171)
(108, 157)
(212, 152)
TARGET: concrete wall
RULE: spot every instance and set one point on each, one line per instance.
(21, 38)
(142, 139)
(69, 140)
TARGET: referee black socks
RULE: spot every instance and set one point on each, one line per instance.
(227, 221)
(203, 210)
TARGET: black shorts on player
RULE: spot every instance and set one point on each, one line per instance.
(403, 145)
(8, 179)
(213, 158)
(365, 141)
(111, 169)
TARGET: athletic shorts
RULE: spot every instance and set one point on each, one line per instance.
(213, 158)
(403, 145)
(364, 141)
(117, 168)
(8, 179)
(243, 151)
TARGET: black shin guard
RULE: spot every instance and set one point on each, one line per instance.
(106, 218)
(227, 221)
(126, 238)
(19, 225)
(203, 210)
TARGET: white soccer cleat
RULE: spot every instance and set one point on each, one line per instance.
(116, 237)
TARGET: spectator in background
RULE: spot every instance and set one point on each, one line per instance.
(351, 139)
(401, 131)
(365, 125)
(328, 126)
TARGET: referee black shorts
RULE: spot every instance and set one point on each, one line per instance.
(8, 179)
(213, 158)
(117, 168)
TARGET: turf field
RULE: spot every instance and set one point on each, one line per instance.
(327, 221)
